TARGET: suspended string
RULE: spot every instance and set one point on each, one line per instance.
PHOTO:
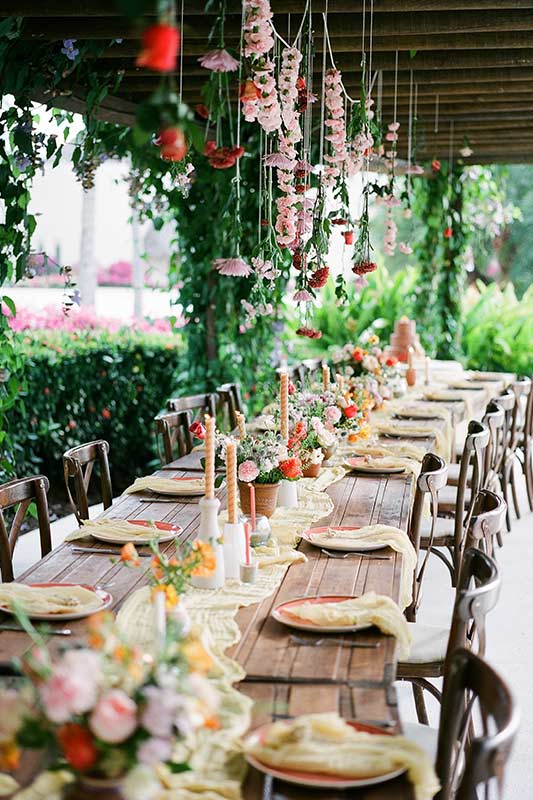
(323, 85)
(181, 51)
(238, 166)
(450, 153)
(260, 187)
(380, 93)
(410, 129)
(436, 126)
(330, 52)
(300, 29)
(395, 85)
(370, 48)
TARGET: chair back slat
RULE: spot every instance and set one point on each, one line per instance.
(172, 430)
(521, 390)
(78, 468)
(432, 478)
(473, 455)
(230, 401)
(466, 763)
(21, 493)
(198, 404)
(487, 521)
(494, 419)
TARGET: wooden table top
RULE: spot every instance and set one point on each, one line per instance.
(356, 682)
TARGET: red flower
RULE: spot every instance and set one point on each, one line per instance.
(46, 390)
(249, 91)
(160, 48)
(292, 387)
(106, 413)
(350, 411)
(202, 111)
(301, 188)
(222, 157)
(391, 361)
(362, 267)
(291, 468)
(339, 221)
(298, 260)
(435, 165)
(448, 233)
(311, 333)
(358, 354)
(172, 144)
(78, 746)
(198, 430)
(348, 237)
(319, 278)
(72, 424)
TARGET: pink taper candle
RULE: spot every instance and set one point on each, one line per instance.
(209, 457)
(325, 377)
(251, 487)
(247, 541)
(284, 406)
(231, 479)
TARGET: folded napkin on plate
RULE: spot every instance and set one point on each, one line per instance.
(115, 529)
(400, 449)
(442, 395)
(491, 376)
(166, 485)
(326, 743)
(49, 599)
(369, 609)
(396, 428)
(386, 536)
(8, 784)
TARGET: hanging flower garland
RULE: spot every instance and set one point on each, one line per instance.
(335, 127)
(259, 96)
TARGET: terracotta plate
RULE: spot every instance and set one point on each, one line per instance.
(287, 614)
(319, 538)
(105, 597)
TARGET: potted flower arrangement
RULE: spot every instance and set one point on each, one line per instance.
(368, 360)
(264, 460)
(108, 713)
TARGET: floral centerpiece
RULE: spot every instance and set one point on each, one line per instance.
(368, 362)
(107, 713)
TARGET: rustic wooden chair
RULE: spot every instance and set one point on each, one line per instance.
(198, 404)
(507, 401)
(525, 449)
(494, 419)
(455, 502)
(467, 764)
(297, 373)
(21, 493)
(522, 391)
(313, 369)
(230, 401)
(432, 645)
(78, 468)
(173, 431)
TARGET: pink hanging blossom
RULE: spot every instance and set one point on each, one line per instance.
(234, 267)
(390, 235)
(335, 127)
(219, 61)
(258, 41)
(303, 296)
(279, 161)
(404, 248)
(415, 169)
(265, 269)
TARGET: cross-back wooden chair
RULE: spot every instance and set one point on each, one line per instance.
(521, 389)
(230, 401)
(487, 521)
(455, 502)
(525, 449)
(313, 369)
(507, 401)
(173, 432)
(470, 767)
(21, 493)
(198, 404)
(78, 468)
(476, 593)
(297, 373)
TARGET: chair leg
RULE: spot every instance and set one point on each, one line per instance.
(514, 493)
(528, 471)
(420, 704)
(505, 491)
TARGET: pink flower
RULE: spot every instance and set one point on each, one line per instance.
(333, 414)
(160, 710)
(303, 296)
(114, 718)
(393, 126)
(279, 161)
(71, 689)
(154, 750)
(404, 248)
(415, 169)
(248, 471)
(235, 267)
(219, 61)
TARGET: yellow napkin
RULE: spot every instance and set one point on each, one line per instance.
(49, 599)
(400, 428)
(114, 530)
(452, 396)
(369, 609)
(326, 743)
(166, 485)
(401, 449)
(7, 784)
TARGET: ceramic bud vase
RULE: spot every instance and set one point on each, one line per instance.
(234, 549)
(288, 494)
(209, 532)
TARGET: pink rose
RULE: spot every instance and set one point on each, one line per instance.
(71, 689)
(248, 471)
(153, 750)
(114, 717)
(159, 712)
(333, 414)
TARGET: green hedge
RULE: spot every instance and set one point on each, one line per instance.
(80, 386)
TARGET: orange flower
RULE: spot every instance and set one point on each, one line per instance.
(129, 555)
(197, 656)
(96, 623)
(157, 570)
(171, 596)
(212, 722)
(78, 746)
(358, 354)
(9, 756)
(291, 468)
(208, 563)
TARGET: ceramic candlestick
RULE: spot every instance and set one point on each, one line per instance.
(234, 548)
(288, 494)
(209, 532)
(248, 573)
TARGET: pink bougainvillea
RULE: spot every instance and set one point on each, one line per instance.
(52, 318)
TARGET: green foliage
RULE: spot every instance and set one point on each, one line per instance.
(516, 239)
(89, 385)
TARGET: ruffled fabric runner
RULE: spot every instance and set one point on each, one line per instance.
(326, 743)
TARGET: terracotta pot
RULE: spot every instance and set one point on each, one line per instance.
(312, 471)
(266, 498)
(91, 788)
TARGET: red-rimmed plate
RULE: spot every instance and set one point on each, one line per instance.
(317, 780)
(102, 600)
(359, 464)
(161, 531)
(319, 537)
(287, 614)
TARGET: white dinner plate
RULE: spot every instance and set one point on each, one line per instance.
(319, 538)
(317, 780)
(286, 613)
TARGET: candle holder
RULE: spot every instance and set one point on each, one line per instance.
(234, 548)
(288, 494)
(260, 535)
(249, 573)
(209, 532)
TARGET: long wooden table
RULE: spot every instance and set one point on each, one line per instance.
(282, 678)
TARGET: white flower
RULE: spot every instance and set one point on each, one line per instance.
(141, 783)
(325, 438)
(370, 363)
